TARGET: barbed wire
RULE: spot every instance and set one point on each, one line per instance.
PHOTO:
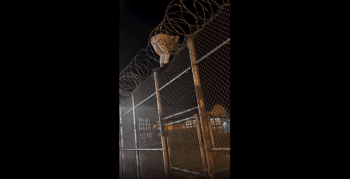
(182, 18)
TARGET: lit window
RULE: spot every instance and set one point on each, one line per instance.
(212, 122)
(217, 120)
(189, 124)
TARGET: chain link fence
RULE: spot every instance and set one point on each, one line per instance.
(151, 164)
(215, 81)
(184, 147)
(164, 140)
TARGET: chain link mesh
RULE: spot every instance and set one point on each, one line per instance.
(179, 95)
(126, 106)
(184, 148)
(147, 125)
(120, 154)
(128, 130)
(221, 131)
(215, 80)
(178, 64)
(214, 34)
(181, 18)
(120, 164)
(151, 164)
(146, 89)
(129, 165)
(182, 175)
(176, 97)
(222, 164)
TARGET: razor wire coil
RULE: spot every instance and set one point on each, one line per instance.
(182, 18)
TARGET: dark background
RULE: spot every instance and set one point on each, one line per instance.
(64, 90)
(60, 89)
(136, 21)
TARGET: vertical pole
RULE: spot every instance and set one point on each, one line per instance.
(122, 141)
(162, 128)
(137, 156)
(169, 155)
(211, 133)
(201, 145)
(202, 111)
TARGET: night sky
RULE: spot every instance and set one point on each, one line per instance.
(135, 25)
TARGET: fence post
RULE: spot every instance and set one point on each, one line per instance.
(137, 156)
(201, 145)
(202, 111)
(121, 136)
(162, 128)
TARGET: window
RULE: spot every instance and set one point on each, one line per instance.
(144, 124)
(187, 124)
(216, 124)
(212, 123)
(190, 124)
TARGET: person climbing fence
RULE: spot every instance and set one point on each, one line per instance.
(164, 44)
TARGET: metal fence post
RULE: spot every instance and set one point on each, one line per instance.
(162, 128)
(137, 156)
(121, 136)
(201, 145)
(202, 111)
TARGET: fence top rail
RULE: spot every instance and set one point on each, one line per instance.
(142, 149)
(175, 78)
(177, 114)
(221, 149)
(179, 121)
(188, 171)
(139, 103)
(217, 48)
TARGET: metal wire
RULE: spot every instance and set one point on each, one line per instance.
(128, 131)
(151, 164)
(129, 165)
(184, 146)
(215, 82)
(181, 18)
(148, 125)
(178, 101)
